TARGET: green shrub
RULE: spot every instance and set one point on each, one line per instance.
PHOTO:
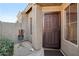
(6, 47)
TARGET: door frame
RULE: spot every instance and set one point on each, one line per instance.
(59, 22)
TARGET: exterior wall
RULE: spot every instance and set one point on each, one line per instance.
(9, 30)
(36, 15)
(29, 17)
(28, 21)
(37, 26)
(67, 47)
(25, 26)
(51, 8)
(19, 17)
(22, 18)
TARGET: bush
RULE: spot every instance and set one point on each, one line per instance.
(6, 47)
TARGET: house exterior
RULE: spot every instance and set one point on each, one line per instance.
(38, 23)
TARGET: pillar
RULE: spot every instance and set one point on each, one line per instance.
(37, 23)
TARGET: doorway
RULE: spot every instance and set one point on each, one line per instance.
(52, 30)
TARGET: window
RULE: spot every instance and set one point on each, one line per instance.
(71, 23)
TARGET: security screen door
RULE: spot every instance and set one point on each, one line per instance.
(51, 32)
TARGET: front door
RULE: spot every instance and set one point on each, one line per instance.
(51, 30)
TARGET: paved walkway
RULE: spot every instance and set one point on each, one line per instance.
(26, 50)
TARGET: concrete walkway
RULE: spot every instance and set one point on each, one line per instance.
(26, 50)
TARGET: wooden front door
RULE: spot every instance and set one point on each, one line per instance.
(51, 33)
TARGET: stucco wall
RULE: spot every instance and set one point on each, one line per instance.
(67, 47)
(37, 26)
(10, 30)
(29, 18)
(25, 26)
(51, 8)
(23, 19)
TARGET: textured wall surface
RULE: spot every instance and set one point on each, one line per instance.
(10, 30)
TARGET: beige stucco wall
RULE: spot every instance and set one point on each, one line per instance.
(37, 22)
(51, 8)
(9, 30)
(25, 26)
(22, 18)
(29, 17)
(67, 47)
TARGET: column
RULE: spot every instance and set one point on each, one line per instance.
(37, 23)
